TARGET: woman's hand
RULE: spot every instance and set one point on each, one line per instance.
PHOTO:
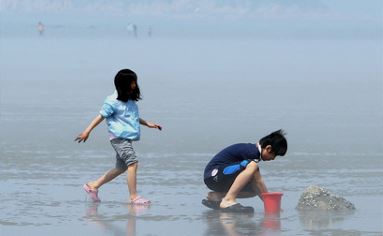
(85, 134)
(82, 137)
(153, 125)
(150, 124)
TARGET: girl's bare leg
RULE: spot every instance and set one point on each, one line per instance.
(242, 179)
(107, 177)
(132, 180)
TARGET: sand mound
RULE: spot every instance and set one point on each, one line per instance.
(319, 198)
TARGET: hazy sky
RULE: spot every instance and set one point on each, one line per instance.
(325, 18)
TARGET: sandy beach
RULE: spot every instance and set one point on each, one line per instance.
(332, 115)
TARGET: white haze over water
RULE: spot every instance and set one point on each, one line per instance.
(213, 73)
(186, 18)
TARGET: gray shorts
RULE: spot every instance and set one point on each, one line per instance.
(125, 154)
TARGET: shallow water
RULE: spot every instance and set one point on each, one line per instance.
(51, 88)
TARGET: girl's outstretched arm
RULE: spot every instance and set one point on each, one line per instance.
(85, 134)
(150, 124)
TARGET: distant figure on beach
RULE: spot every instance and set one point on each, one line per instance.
(40, 28)
(122, 118)
(234, 172)
(150, 31)
(132, 28)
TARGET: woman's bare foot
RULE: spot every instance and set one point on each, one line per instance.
(225, 203)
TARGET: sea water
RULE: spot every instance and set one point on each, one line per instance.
(207, 94)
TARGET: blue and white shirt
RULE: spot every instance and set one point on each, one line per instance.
(233, 158)
(122, 118)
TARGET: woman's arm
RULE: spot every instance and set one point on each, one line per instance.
(85, 134)
(150, 124)
(260, 184)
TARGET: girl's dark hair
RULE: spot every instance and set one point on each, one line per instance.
(123, 81)
(277, 141)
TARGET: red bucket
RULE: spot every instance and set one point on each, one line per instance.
(272, 202)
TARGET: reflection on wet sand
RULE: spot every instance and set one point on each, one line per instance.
(319, 220)
(272, 222)
(236, 224)
(93, 215)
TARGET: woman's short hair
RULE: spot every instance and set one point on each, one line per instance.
(122, 82)
(277, 141)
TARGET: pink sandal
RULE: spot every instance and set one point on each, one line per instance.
(139, 201)
(93, 193)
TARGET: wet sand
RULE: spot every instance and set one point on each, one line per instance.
(45, 105)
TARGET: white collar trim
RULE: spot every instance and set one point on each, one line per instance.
(260, 150)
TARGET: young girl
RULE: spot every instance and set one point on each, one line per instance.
(234, 172)
(121, 113)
